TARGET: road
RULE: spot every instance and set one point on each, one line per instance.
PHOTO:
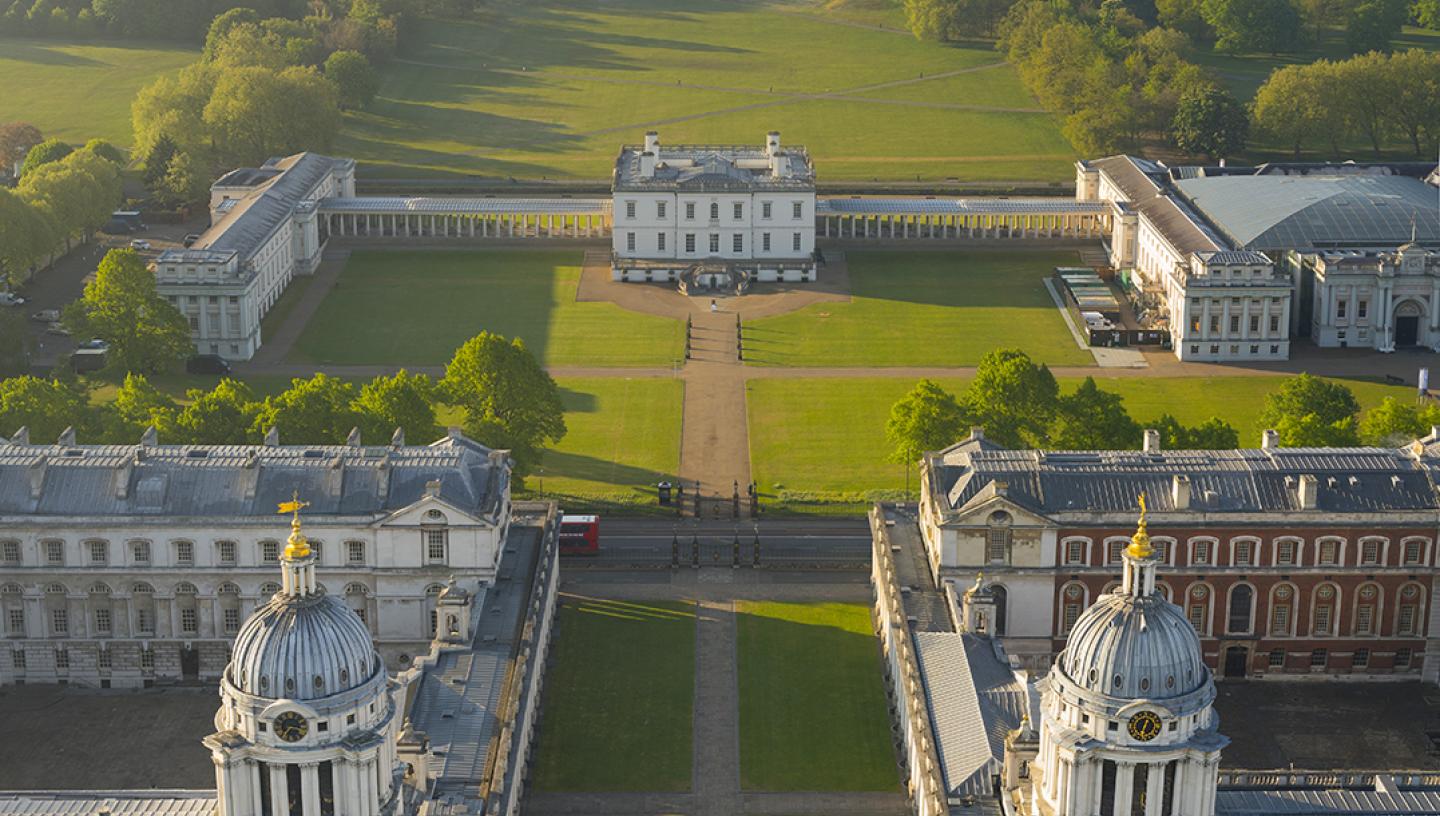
(837, 543)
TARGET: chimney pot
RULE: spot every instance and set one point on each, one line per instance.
(1269, 439)
(1180, 491)
(652, 142)
(977, 431)
(272, 437)
(1152, 440)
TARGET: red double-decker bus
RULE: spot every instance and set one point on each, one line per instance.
(579, 535)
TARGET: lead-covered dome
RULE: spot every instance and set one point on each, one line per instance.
(1134, 647)
(302, 648)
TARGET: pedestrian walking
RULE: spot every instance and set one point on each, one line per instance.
(713, 306)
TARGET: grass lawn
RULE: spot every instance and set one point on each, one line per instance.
(619, 695)
(623, 438)
(417, 307)
(275, 318)
(813, 714)
(823, 440)
(80, 91)
(551, 88)
(926, 308)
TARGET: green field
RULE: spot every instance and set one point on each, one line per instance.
(552, 88)
(822, 441)
(813, 713)
(80, 91)
(624, 437)
(619, 692)
(417, 307)
(913, 308)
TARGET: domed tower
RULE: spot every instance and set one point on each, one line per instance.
(308, 717)
(1127, 725)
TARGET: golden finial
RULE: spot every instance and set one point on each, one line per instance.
(296, 546)
(1140, 542)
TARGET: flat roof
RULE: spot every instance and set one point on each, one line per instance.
(953, 206)
(461, 205)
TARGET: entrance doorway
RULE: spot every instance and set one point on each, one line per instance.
(1407, 331)
(1237, 658)
(190, 663)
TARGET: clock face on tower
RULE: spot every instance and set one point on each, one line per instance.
(1144, 726)
(291, 726)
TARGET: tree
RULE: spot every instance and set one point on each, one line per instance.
(1269, 26)
(185, 181)
(45, 407)
(1392, 422)
(404, 400)
(926, 419)
(222, 24)
(1289, 106)
(14, 344)
(1373, 24)
(1307, 411)
(224, 415)
(78, 192)
(508, 399)
(252, 44)
(173, 107)
(954, 19)
(157, 161)
(1426, 13)
(1214, 434)
(16, 139)
(1093, 419)
(1415, 106)
(137, 406)
(1184, 16)
(50, 150)
(353, 76)
(254, 113)
(106, 151)
(26, 235)
(1210, 121)
(146, 333)
(1364, 93)
(313, 411)
(1012, 398)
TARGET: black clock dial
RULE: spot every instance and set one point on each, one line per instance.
(1144, 726)
(290, 726)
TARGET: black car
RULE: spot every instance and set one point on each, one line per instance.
(207, 364)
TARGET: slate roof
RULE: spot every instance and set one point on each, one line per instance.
(245, 480)
(1299, 212)
(1325, 802)
(120, 803)
(1236, 257)
(714, 168)
(1145, 187)
(1351, 480)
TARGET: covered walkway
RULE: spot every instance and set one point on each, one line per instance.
(941, 218)
(455, 217)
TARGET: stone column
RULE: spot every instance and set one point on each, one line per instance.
(1155, 789)
(253, 769)
(279, 793)
(310, 788)
(1124, 788)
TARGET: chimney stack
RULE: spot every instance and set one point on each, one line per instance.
(1269, 439)
(1180, 491)
(772, 143)
(1308, 492)
(652, 142)
(977, 431)
(1152, 441)
(647, 165)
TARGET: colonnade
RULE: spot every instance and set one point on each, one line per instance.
(968, 225)
(519, 224)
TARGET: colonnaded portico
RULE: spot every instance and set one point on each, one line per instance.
(951, 218)
(455, 217)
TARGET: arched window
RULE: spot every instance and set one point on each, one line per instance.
(269, 588)
(1282, 610)
(1409, 610)
(1324, 606)
(1365, 617)
(11, 599)
(100, 588)
(998, 537)
(100, 610)
(226, 552)
(714, 210)
(1372, 550)
(1197, 607)
(1242, 607)
(229, 596)
(186, 608)
(1002, 600)
(1072, 603)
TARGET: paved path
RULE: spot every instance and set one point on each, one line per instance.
(717, 710)
(277, 348)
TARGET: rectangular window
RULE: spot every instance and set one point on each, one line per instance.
(232, 621)
(1370, 552)
(1402, 658)
(1322, 620)
(147, 660)
(1074, 552)
(1362, 308)
(59, 622)
(189, 621)
(797, 209)
(141, 551)
(1202, 553)
(1328, 550)
(1274, 324)
(1072, 614)
(62, 659)
(1405, 621)
(714, 211)
(714, 243)
(1243, 553)
(1214, 324)
(765, 209)
(435, 545)
(1412, 552)
(1318, 658)
(355, 552)
(1280, 619)
(17, 656)
(55, 553)
(10, 552)
(102, 621)
(1339, 309)
(737, 244)
(103, 659)
(660, 209)
(739, 210)
(629, 209)
(145, 621)
(629, 242)
(99, 552)
(1234, 324)
(1284, 552)
(690, 243)
(1364, 619)
(999, 545)
(1197, 617)
(269, 551)
(1116, 549)
(1254, 324)
(660, 241)
(690, 210)
(184, 553)
(765, 241)
(1277, 658)
(227, 552)
(17, 623)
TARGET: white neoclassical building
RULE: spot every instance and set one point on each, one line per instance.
(726, 206)
(1379, 300)
(264, 231)
(131, 565)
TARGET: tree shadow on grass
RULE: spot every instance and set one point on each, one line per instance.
(38, 54)
(589, 468)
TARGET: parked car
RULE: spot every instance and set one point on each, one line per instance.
(207, 364)
(140, 243)
(57, 329)
(95, 345)
(46, 316)
(191, 239)
(9, 299)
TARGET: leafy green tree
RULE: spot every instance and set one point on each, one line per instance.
(313, 411)
(928, 418)
(403, 400)
(26, 235)
(1392, 422)
(1184, 16)
(954, 19)
(1426, 13)
(1210, 121)
(16, 139)
(106, 151)
(78, 192)
(253, 45)
(157, 161)
(46, 407)
(224, 415)
(185, 181)
(50, 150)
(137, 406)
(508, 398)
(222, 25)
(173, 107)
(255, 113)
(1012, 398)
(1373, 24)
(1093, 419)
(1366, 96)
(1214, 434)
(1268, 26)
(1415, 104)
(354, 77)
(1307, 411)
(1290, 106)
(146, 334)
(14, 344)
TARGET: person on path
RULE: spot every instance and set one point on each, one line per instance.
(713, 307)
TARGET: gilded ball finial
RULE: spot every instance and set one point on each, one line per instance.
(1140, 542)
(296, 546)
